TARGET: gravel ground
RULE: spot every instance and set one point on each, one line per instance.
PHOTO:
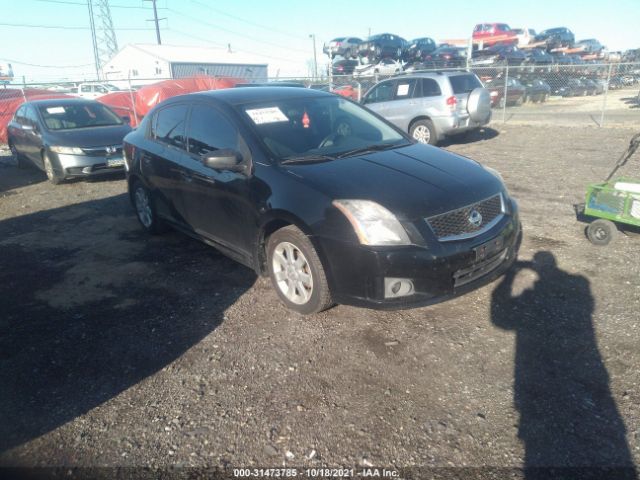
(120, 349)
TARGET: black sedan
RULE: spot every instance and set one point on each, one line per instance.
(383, 45)
(536, 90)
(498, 55)
(68, 138)
(445, 57)
(330, 200)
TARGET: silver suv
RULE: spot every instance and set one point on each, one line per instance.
(432, 105)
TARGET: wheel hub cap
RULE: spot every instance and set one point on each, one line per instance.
(292, 273)
(143, 209)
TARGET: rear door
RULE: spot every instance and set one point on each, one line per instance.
(461, 86)
(163, 159)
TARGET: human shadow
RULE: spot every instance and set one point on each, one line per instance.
(91, 305)
(569, 422)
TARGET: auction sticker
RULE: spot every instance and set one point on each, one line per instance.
(267, 115)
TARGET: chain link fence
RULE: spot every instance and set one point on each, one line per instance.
(596, 94)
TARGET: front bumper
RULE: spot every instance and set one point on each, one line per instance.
(69, 166)
(357, 272)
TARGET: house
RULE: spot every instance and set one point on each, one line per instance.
(149, 63)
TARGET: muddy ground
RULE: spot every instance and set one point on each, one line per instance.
(121, 349)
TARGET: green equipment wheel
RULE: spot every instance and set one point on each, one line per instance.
(601, 232)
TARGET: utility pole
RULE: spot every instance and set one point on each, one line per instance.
(156, 20)
(315, 58)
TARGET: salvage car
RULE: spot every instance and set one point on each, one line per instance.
(515, 92)
(343, 66)
(68, 138)
(556, 37)
(498, 55)
(430, 106)
(383, 45)
(343, 46)
(386, 66)
(418, 49)
(329, 200)
(536, 90)
(446, 57)
(494, 34)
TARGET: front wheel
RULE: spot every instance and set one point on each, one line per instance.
(601, 232)
(424, 132)
(52, 176)
(296, 271)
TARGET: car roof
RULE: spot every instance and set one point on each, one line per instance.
(61, 102)
(237, 96)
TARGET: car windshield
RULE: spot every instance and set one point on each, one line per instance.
(322, 128)
(464, 83)
(78, 115)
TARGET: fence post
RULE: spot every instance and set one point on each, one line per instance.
(330, 71)
(604, 97)
(504, 98)
(359, 91)
(133, 104)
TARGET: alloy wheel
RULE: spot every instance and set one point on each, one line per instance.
(422, 134)
(143, 207)
(292, 273)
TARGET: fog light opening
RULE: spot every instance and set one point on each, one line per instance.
(398, 287)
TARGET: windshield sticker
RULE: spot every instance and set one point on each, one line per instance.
(403, 90)
(305, 120)
(267, 115)
(54, 110)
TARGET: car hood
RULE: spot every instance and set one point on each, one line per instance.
(89, 137)
(413, 181)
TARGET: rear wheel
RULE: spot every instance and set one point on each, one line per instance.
(601, 232)
(424, 132)
(52, 176)
(296, 271)
(146, 210)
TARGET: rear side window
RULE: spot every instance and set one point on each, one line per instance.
(405, 89)
(430, 88)
(170, 124)
(464, 83)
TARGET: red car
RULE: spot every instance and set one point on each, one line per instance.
(348, 91)
(494, 34)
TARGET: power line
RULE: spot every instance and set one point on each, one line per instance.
(83, 4)
(63, 27)
(195, 37)
(248, 22)
(261, 41)
(9, 60)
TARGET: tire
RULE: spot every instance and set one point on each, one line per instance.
(601, 232)
(520, 100)
(544, 98)
(52, 176)
(145, 209)
(502, 103)
(18, 157)
(424, 132)
(291, 258)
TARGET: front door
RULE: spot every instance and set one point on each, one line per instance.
(218, 202)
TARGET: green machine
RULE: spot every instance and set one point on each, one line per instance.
(616, 202)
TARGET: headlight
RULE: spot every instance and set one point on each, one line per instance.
(67, 150)
(373, 224)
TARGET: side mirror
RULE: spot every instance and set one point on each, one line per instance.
(28, 128)
(224, 159)
(126, 119)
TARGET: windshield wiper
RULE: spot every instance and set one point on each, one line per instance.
(371, 148)
(307, 159)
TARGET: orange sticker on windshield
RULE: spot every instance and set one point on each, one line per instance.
(305, 120)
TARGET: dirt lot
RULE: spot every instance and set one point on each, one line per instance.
(118, 349)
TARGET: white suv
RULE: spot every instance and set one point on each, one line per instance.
(432, 105)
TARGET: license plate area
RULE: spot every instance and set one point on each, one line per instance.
(115, 162)
(488, 249)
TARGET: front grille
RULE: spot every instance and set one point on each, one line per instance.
(102, 151)
(456, 224)
(474, 272)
